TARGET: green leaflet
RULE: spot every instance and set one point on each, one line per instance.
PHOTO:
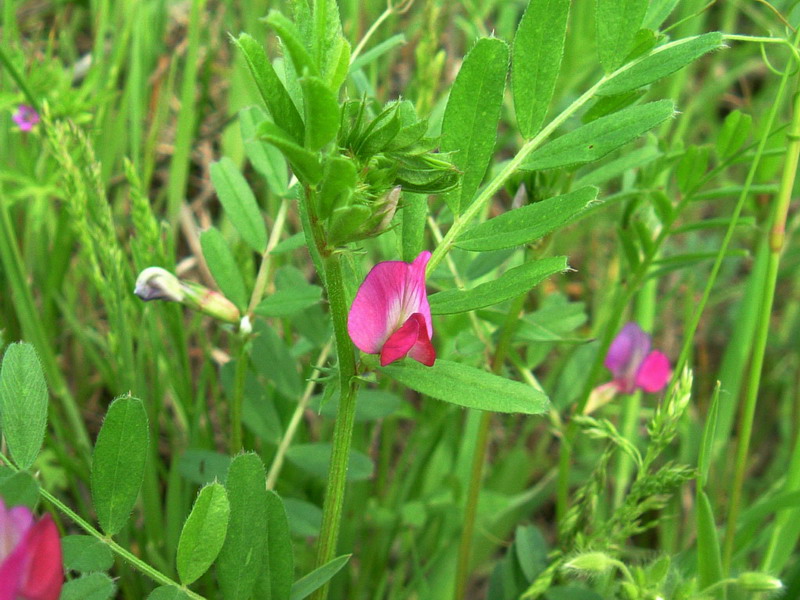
(265, 158)
(321, 112)
(203, 533)
(242, 557)
(308, 584)
(85, 553)
(168, 592)
(658, 12)
(118, 462)
(596, 139)
(95, 586)
(469, 127)
(304, 163)
(709, 563)
(617, 24)
(379, 50)
(278, 573)
(536, 61)
(23, 403)
(510, 284)
(735, 131)
(223, 266)
(469, 387)
(271, 88)
(272, 359)
(292, 42)
(660, 62)
(528, 223)
(18, 489)
(239, 203)
(290, 301)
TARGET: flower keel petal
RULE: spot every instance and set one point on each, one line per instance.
(401, 341)
(422, 350)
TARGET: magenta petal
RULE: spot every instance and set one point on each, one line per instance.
(401, 341)
(389, 295)
(422, 350)
(412, 340)
(44, 576)
(11, 574)
(654, 373)
(25, 117)
(626, 354)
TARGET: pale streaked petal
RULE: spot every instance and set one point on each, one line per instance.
(417, 276)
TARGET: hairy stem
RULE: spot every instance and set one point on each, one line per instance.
(343, 429)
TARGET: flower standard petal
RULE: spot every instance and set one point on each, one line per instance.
(626, 354)
(654, 372)
(374, 314)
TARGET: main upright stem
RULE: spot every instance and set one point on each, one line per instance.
(343, 429)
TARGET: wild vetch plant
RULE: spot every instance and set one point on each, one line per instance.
(444, 300)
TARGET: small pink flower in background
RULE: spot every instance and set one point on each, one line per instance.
(30, 556)
(25, 117)
(390, 315)
(633, 364)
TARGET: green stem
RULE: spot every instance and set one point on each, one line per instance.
(777, 236)
(343, 429)
(238, 395)
(479, 458)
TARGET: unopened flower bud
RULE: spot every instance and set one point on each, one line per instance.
(386, 209)
(210, 302)
(155, 283)
(752, 581)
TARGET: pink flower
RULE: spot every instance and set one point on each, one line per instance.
(25, 117)
(633, 364)
(30, 556)
(390, 315)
